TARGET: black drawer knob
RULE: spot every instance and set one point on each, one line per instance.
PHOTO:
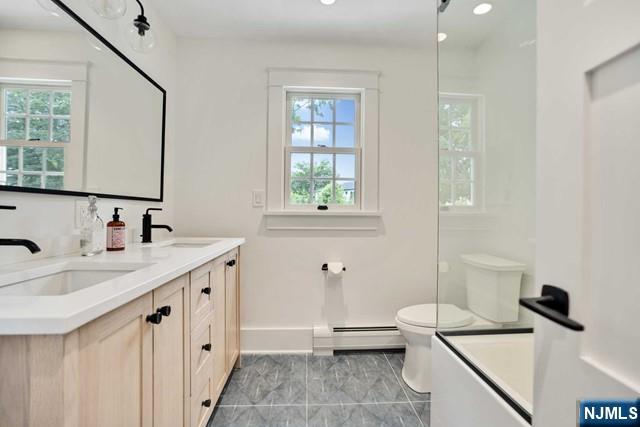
(206, 403)
(207, 290)
(165, 311)
(206, 347)
(231, 263)
(155, 318)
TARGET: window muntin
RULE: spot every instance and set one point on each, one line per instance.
(323, 150)
(461, 152)
(35, 127)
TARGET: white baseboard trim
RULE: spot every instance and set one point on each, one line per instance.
(276, 340)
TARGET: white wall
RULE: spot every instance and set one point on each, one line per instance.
(221, 158)
(49, 220)
(502, 68)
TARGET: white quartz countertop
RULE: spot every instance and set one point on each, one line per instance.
(60, 314)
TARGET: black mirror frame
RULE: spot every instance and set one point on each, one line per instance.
(105, 42)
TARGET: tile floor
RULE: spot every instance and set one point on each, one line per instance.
(353, 389)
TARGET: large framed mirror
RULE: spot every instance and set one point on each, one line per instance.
(77, 116)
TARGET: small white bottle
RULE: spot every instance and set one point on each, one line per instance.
(92, 236)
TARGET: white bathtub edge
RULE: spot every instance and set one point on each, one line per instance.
(461, 399)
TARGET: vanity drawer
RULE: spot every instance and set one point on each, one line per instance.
(201, 358)
(200, 412)
(201, 296)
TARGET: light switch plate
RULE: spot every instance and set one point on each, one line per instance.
(258, 198)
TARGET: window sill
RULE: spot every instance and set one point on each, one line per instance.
(323, 220)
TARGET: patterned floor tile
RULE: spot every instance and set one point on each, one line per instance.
(397, 361)
(259, 416)
(424, 412)
(267, 380)
(370, 415)
(346, 390)
(366, 378)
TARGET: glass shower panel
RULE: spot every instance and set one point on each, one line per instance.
(487, 137)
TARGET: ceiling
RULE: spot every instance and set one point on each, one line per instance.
(399, 22)
(28, 14)
(376, 22)
(466, 30)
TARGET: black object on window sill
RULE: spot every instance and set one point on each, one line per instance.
(325, 267)
(323, 207)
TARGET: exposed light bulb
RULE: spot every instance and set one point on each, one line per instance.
(140, 35)
(327, 2)
(109, 9)
(482, 8)
(442, 37)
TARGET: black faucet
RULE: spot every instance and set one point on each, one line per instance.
(147, 226)
(18, 242)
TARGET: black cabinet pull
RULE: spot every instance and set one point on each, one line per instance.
(206, 403)
(231, 263)
(207, 290)
(206, 347)
(165, 311)
(155, 318)
(553, 304)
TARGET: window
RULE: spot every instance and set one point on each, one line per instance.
(35, 123)
(461, 152)
(323, 150)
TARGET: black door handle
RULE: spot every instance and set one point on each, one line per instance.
(554, 305)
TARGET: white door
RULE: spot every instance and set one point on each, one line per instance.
(588, 203)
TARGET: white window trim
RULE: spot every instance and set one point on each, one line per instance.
(365, 83)
(478, 133)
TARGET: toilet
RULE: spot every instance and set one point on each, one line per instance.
(493, 291)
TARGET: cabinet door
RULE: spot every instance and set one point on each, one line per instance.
(170, 354)
(232, 300)
(219, 326)
(115, 368)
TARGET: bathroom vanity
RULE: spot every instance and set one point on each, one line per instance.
(152, 345)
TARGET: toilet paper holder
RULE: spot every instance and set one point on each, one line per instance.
(325, 267)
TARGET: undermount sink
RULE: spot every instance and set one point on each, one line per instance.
(66, 278)
(189, 245)
(184, 242)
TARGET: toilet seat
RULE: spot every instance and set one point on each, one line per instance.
(424, 315)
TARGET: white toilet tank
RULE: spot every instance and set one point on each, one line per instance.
(493, 286)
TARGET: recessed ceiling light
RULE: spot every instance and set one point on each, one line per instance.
(482, 8)
(327, 2)
(442, 37)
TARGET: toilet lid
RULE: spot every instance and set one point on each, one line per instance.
(450, 316)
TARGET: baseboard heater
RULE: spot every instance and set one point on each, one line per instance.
(326, 340)
(365, 329)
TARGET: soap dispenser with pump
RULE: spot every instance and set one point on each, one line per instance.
(116, 232)
(92, 230)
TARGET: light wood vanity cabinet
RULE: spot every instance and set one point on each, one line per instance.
(232, 319)
(141, 364)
